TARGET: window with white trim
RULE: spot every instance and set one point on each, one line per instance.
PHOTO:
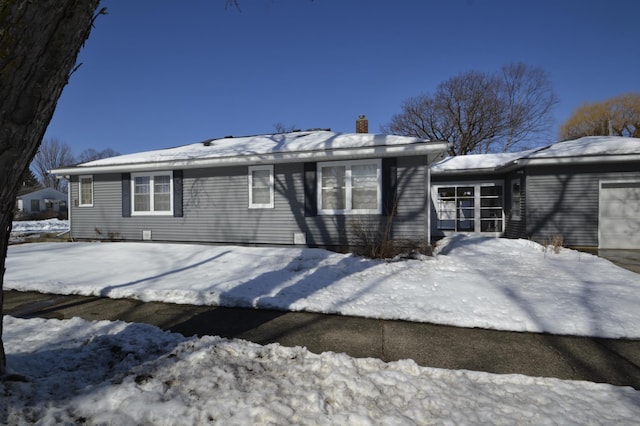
(516, 206)
(85, 190)
(469, 207)
(261, 187)
(349, 187)
(152, 193)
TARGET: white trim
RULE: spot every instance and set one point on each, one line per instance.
(269, 158)
(80, 204)
(348, 210)
(270, 204)
(151, 211)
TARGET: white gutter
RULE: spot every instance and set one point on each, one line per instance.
(271, 158)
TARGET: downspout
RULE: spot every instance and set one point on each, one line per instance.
(428, 212)
(67, 177)
(69, 205)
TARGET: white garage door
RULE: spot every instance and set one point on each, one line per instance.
(619, 220)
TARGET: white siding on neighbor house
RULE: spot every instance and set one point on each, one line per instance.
(41, 197)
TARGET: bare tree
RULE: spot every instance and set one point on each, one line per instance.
(529, 100)
(280, 127)
(91, 154)
(52, 154)
(618, 116)
(39, 45)
(479, 112)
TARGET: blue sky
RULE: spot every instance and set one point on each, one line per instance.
(163, 73)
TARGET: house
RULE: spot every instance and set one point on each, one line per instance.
(585, 191)
(305, 187)
(41, 202)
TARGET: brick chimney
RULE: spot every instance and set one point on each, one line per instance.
(362, 124)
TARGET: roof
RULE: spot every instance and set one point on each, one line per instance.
(44, 193)
(593, 149)
(320, 145)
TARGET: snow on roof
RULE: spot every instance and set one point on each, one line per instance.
(476, 161)
(307, 141)
(589, 146)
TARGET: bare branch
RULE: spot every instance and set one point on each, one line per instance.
(478, 112)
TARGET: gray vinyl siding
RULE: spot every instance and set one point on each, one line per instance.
(216, 210)
(411, 221)
(563, 201)
(215, 205)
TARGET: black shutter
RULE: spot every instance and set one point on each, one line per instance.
(389, 185)
(310, 190)
(177, 193)
(126, 195)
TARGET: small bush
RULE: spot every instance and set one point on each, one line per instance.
(555, 243)
(372, 240)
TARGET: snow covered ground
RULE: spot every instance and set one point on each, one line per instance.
(471, 282)
(113, 373)
(126, 374)
(34, 226)
(23, 228)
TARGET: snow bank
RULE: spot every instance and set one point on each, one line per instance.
(130, 374)
(35, 226)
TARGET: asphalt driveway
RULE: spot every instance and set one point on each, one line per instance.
(628, 259)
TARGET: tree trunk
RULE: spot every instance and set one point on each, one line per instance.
(39, 45)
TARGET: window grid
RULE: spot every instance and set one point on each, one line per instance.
(86, 191)
(469, 208)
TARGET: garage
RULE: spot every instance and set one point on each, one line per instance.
(619, 215)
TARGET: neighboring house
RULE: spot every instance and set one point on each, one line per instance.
(46, 201)
(586, 191)
(307, 187)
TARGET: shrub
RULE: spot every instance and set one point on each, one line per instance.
(555, 243)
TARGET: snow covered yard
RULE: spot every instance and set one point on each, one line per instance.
(471, 282)
(118, 373)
